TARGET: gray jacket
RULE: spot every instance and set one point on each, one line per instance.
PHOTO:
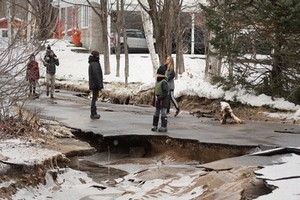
(171, 75)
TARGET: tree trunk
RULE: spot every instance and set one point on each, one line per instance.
(179, 44)
(9, 22)
(162, 17)
(147, 24)
(126, 69)
(103, 16)
(29, 22)
(118, 24)
(213, 63)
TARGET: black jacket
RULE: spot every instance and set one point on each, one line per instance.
(51, 62)
(95, 74)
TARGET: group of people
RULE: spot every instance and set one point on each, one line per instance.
(164, 95)
(33, 75)
(51, 61)
(164, 87)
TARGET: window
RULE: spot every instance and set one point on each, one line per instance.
(4, 33)
(131, 34)
(84, 16)
(140, 35)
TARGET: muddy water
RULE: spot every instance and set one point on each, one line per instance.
(148, 167)
(116, 153)
(131, 161)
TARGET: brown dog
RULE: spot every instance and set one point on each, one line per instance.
(226, 112)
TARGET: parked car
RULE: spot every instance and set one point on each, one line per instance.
(199, 44)
(136, 41)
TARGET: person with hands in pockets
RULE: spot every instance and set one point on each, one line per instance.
(95, 81)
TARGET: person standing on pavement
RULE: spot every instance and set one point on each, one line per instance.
(51, 61)
(95, 81)
(161, 102)
(170, 73)
(32, 74)
(168, 68)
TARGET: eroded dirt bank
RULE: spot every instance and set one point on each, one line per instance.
(166, 152)
(117, 93)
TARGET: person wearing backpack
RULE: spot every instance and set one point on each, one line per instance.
(161, 101)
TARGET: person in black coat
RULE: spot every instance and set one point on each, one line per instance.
(161, 102)
(95, 81)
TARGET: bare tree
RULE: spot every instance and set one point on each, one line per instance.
(213, 61)
(46, 17)
(148, 28)
(14, 54)
(117, 17)
(161, 13)
(179, 31)
(125, 44)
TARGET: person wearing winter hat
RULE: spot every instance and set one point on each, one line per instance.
(95, 81)
(51, 61)
(161, 102)
(32, 74)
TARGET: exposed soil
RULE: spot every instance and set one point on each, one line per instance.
(233, 182)
(119, 94)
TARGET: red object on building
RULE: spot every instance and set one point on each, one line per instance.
(59, 24)
(76, 37)
(3, 23)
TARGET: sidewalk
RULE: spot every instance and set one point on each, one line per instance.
(74, 111)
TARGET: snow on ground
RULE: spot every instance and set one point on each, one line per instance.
(74, 69)
(21, 152)
(167, 182)
(285, 177)
(72, 184)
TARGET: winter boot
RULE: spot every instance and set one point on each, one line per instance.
(155, 123)
(47, 93)
(51, 96)
(95, 116)
(177, 112)
(164, 122)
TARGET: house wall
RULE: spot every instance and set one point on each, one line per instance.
(91, 36)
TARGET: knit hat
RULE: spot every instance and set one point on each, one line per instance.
(161, 71)
(48, 47)
(95, 53)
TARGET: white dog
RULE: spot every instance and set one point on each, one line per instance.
(226, 112)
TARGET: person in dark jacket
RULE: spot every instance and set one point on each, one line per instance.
(162, 101)
(51, 61)
(170, 73)
(95, 81)
(32, 74)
